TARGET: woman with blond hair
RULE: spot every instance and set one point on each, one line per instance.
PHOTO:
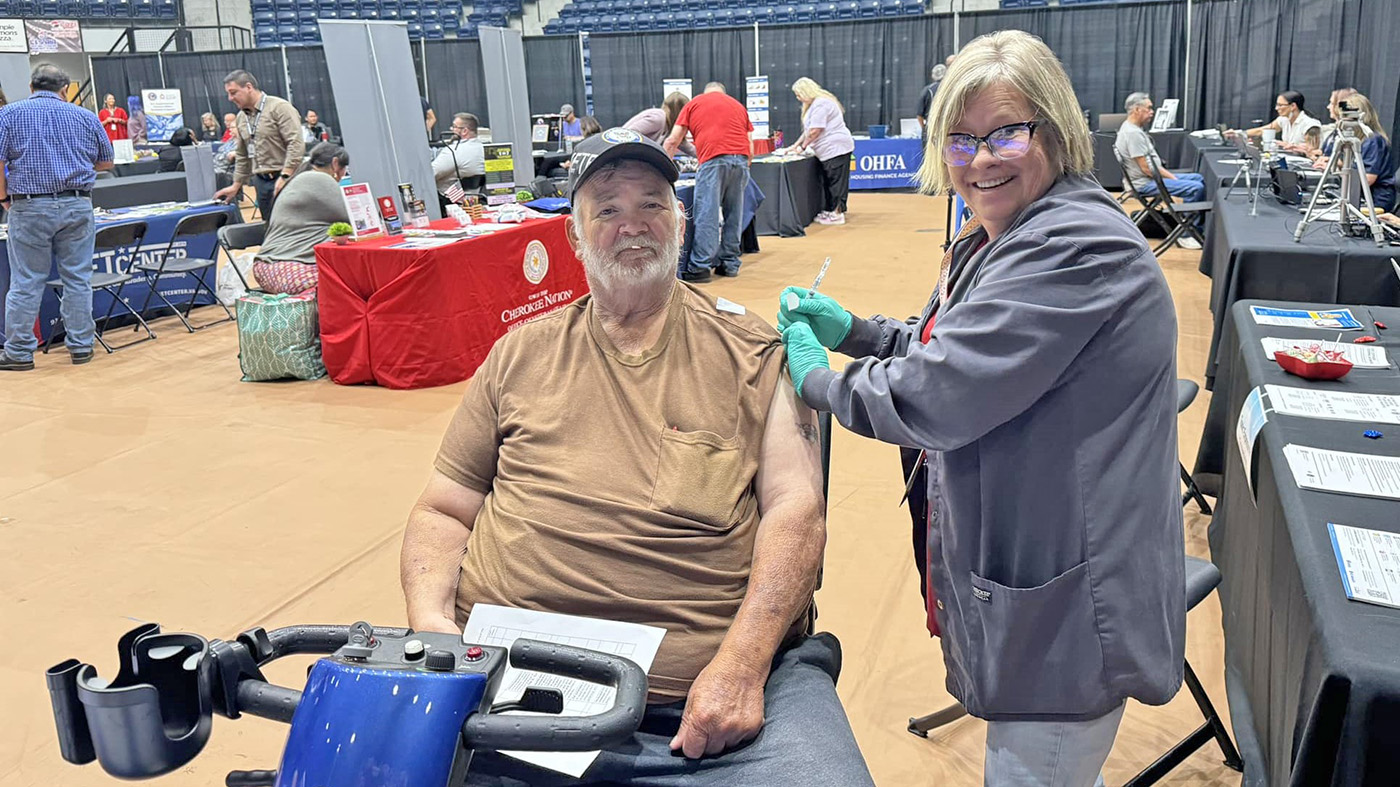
(824, 132)
(1040, 384)
(1376, 153)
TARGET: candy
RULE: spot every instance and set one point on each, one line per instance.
(1372, 433)
(1380, 325)
(1363, 340)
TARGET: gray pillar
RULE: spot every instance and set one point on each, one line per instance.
(14, 75)
(381, 117)
(508, 97)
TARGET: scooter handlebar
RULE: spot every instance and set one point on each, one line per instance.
(565, 733)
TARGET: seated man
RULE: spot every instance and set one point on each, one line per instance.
(639, 455)
(1134, 147)
(464, 157)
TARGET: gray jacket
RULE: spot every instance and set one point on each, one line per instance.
(1046, 398)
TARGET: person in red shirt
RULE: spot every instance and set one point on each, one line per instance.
(113, 119)
(720, 126)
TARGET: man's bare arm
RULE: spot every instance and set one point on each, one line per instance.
(434, 544)
(725, 705)
(673, 142)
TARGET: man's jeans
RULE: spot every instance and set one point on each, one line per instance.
(1190, 186)
(806, 740)
(47, 233)
(719, 188)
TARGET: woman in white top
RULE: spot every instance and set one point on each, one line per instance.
(824, 132)
(1296, 129)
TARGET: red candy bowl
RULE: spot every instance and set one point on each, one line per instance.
(1313, 362)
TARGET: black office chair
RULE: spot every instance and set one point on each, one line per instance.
(1202, 577)
(237, 237)
(113, 240)
(189, 227)
(1186, 394)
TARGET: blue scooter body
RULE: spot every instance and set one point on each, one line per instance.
(376, 727)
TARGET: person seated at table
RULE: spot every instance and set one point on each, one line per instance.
(686, 494)
(1376, 154)
(209, 129)
(589, 126)
(1294, 126)
(309, 204)
(171, 157)
(1328, 132)
(1134, 147)
(314, 129)
(463, 157)
(230, 129)
(655, 123)
(226, 155)
(569, 128)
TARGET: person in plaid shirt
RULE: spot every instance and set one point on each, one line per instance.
(52, 150)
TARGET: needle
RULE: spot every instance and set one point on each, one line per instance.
(792, 300)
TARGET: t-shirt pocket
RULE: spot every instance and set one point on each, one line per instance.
(699, 477)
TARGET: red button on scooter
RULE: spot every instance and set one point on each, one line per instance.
(475, 653)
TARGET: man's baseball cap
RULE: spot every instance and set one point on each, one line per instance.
(567, 109)
(613, 145)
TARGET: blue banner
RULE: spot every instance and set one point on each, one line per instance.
(886, 163)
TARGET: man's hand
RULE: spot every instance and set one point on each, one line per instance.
(281, 183)
(226, 194)
(724, 709)
(439, 623)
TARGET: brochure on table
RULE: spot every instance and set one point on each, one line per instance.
(500, 173)
(757, 103)
(1370, 563)
(363, 210)
(164, 113)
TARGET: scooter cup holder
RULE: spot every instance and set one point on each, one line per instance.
(153, 718)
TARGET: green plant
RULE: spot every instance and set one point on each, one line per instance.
(339, 230)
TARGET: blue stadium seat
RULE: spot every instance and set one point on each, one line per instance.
(24, 7)
(327, 9)
(705, 18)
(806, 12)
(450, 21)
(569, 26)
(409, 13)
(763, 16)
(287, 4)
(288, 34)
(355, 13)
(608, 23)
(626, 23)
(286, 17)
(262, 5)
(311, 34)
(428, 16)
(263, 17)
(784, 13)
(826, 11)
(724, 17)
(119, 9)
(97, 8)
(891, 7)
(468, 31)
(306, 16)
(869, 8)
(266, 34)
(415, 30)
(650, 21)
(913, 7)
(694, 5)
(847, 9)
(743, 17)
(432, 31)
(553, 27)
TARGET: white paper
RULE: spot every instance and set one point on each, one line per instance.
(423, 243)
(1252, 419)
(1334, 405)
(1335, 320)
(1366, 356)
(1343, 472)
(1370, 563)
(362, 210)
(494, 625)
(726, 305)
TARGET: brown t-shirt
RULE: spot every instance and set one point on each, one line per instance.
(619, 486)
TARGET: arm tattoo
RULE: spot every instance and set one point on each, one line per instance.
(809, 433)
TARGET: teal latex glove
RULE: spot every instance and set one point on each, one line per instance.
(804, 353)
(829, 322)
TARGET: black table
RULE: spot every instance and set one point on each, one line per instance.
(546, 161)
(1218, 175)
(1313, 679)
(1171, 147)
(1196, 147)
(145, 166)
(793, 195)
(139, 190)
(1255, 257)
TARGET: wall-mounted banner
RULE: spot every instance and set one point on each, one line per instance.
(53, 35)
(885, 163)
(12, 36)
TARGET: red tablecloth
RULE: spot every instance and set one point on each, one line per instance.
(415, 318)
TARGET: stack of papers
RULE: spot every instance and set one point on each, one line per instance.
(1344, 472)
(1336, 320)
(1370, 563)
(1334, 405)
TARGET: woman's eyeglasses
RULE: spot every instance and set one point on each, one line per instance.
(1011, 141)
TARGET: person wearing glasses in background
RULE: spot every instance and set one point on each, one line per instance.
(1040, 381)
(1296, 128)
(1134, 147)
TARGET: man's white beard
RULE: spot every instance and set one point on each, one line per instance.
(615, 278)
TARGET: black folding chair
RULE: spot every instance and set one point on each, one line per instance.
(1202, 577)
(1181, 216)
(1186, 394)
(111, 239)
(237, 237)
(189, 227)
(1150, 203)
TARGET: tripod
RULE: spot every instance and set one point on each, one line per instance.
(1242, 172)
(1345, 164)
